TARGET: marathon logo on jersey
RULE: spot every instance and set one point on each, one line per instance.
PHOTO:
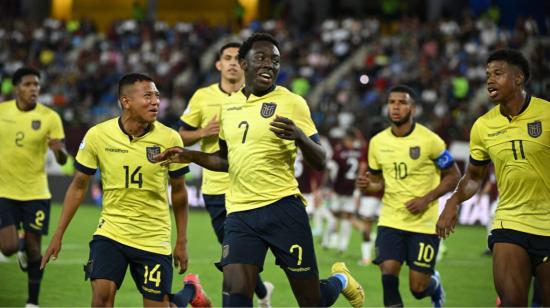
(35, 124)
(414, 152)
(268, 110)
(151, 152)
(534, 129)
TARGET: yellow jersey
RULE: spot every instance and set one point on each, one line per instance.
(408, 166)
(261, 165)
(519, 147)
(23, 147)
(202, 108)
(135, 197)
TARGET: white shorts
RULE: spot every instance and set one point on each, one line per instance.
(344, 204)
(310, 208)
(369, 207)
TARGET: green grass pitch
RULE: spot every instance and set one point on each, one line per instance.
(465, 272)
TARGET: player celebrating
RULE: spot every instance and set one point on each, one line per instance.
(200, 122)
(415, 169)
(515, 136)
(261, 128)
(27, 130)
(134, 229)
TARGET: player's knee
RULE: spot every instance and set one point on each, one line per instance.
(8, 248)
(417, 288)
(103, 299)
(33, 253)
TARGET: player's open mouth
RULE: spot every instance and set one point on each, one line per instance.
(265, 77)
(493, 92)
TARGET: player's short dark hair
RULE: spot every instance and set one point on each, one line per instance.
(404, 89)
(256, 37)
(130, 79)
(513, 57)
(228, 45)
(22, 72)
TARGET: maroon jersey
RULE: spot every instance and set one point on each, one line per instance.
(347, 161)
(305, 175)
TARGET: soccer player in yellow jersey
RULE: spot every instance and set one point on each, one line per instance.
(515, 136)
(412, 165)
(200, 121)
(261, 128)
(135, 228)
(27, 130)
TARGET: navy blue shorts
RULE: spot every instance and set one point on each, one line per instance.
(537, 246)
(109, 259)
(34, 215)
(283, 227)
(419, 250)
(215, 205)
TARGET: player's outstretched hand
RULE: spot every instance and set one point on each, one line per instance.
(180, 257)
(285, 128)
(53, 250)
(448, 218)
(173, 155)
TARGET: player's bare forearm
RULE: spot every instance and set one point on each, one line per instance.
(449, 180)
(470, 183)
(190, 137)
(180, 206)
(61, 157)
(211, 161)
(370, 183)
(313, 152)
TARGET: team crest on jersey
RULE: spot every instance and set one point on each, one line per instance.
(268, 110)
(534, 129)
(151, 152)
(414, 152)
(35, 124)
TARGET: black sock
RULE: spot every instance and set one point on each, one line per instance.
(34, 274)
(260, 290)
(239, 300)
(430, 289)
(184, 296)
(330, 290)
(392, 297)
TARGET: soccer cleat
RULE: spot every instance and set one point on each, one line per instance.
(438, 298)
(200, 299)
(22, 260)
(266, 301)
(353, 292)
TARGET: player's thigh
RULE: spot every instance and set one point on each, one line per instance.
(106, 262)
(288, 234)
(513, 264)
(152, 273)
(242, 243)
(390, 249)
(103, 293)
(543, 275)
(422, 252)
(240, 278)
(36, 216)
(215, 205)
(306, 290)
(151, 303)
(10, 217)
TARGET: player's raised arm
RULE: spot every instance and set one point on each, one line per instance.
(467, 187)
(73, 197)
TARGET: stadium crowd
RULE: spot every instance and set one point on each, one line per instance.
(442, 61)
